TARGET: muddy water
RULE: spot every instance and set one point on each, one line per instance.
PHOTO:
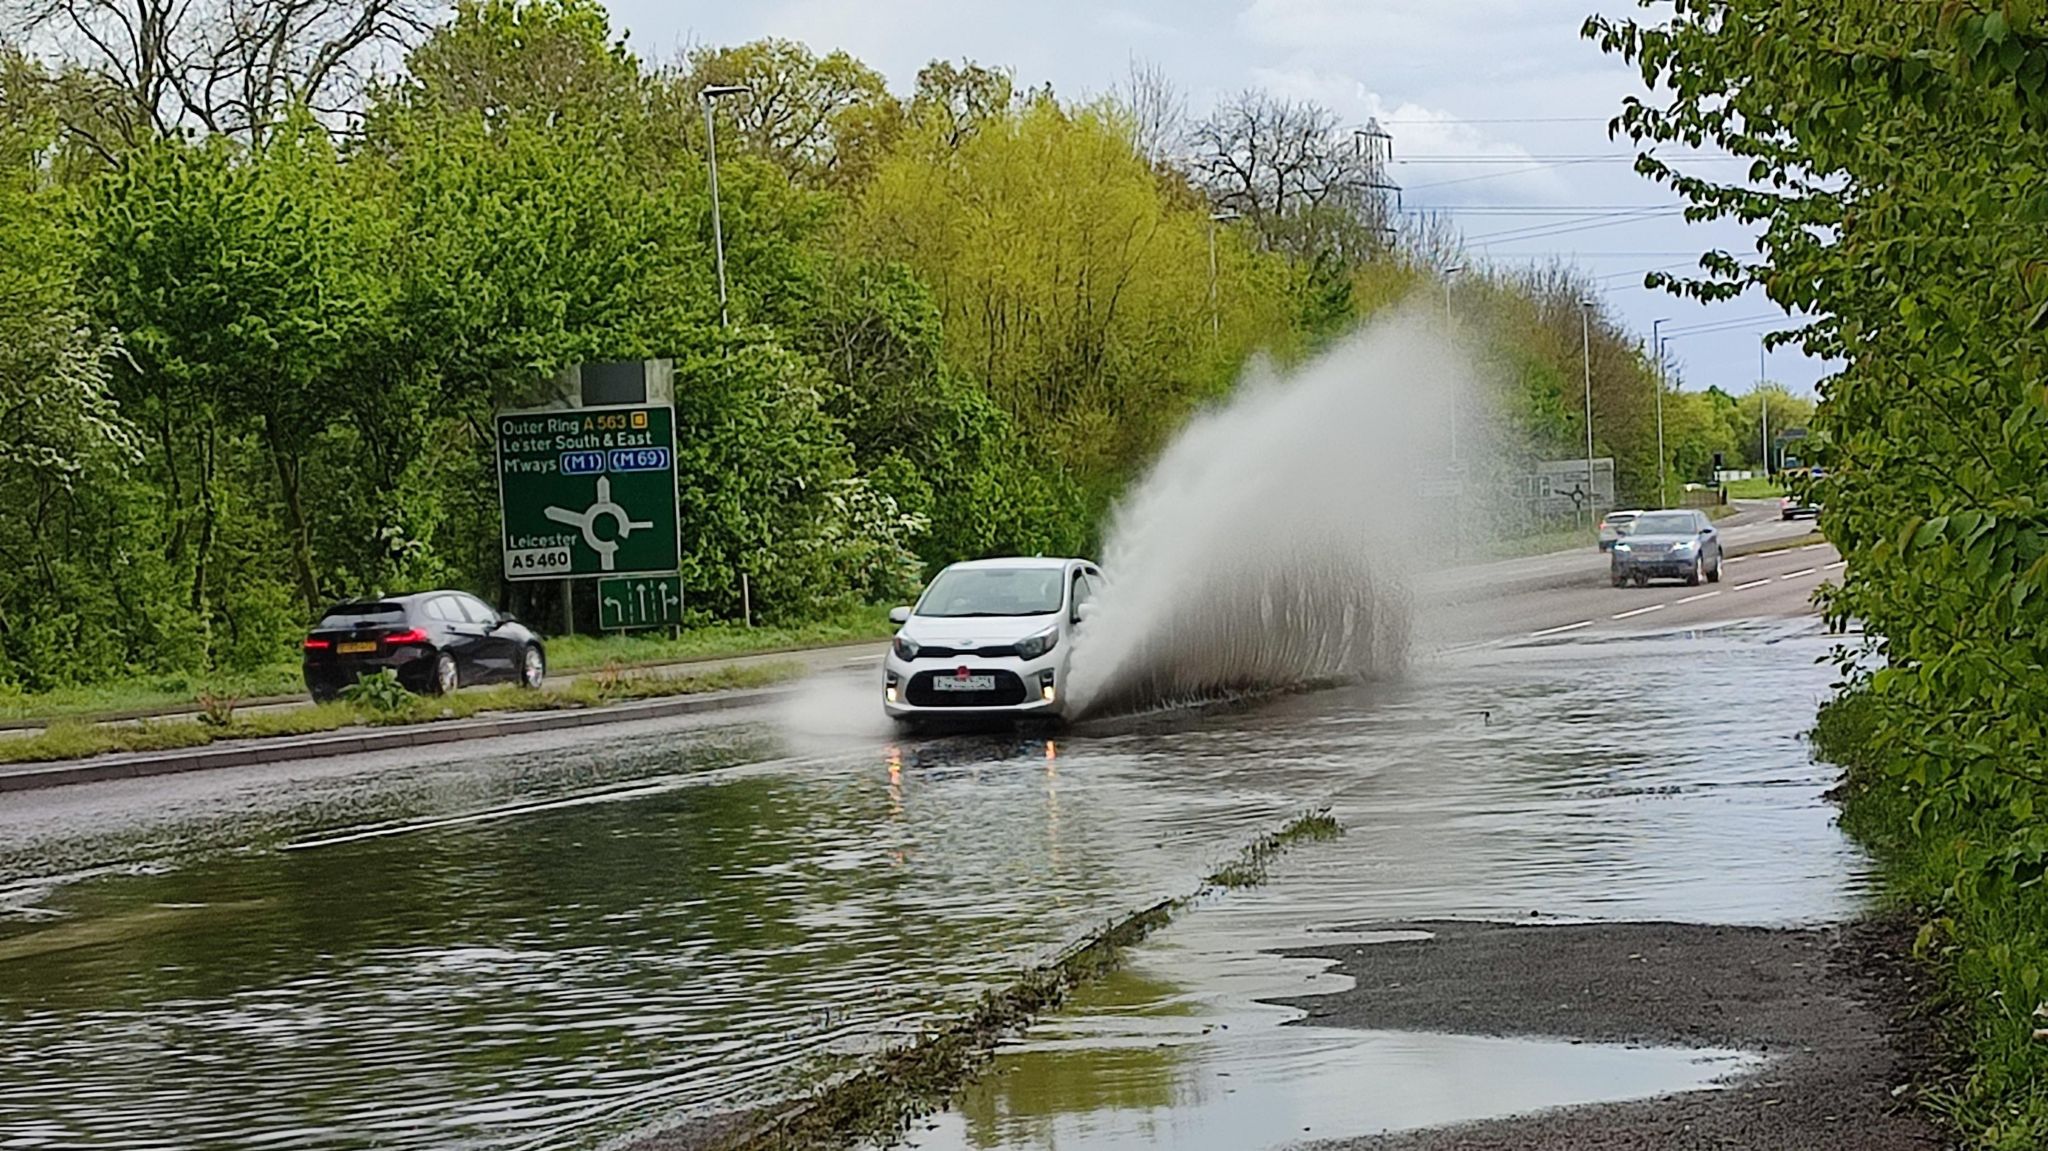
(563, 945)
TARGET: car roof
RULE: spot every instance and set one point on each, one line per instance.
(1020, 562)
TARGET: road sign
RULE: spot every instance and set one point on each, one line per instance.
(588, 492)
(625, 602)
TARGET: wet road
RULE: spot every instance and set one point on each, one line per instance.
(562, 941)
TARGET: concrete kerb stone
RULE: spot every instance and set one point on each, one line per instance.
(29, 777)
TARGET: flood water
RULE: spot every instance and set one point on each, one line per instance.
(561, 944)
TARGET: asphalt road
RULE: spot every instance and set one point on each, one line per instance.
(644, 926)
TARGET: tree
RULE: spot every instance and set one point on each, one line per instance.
(1306, 185)
(823, 120)
(232, 67)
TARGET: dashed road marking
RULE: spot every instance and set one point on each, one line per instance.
(1737, 559)
(1640, 611)
(1560, 630)
(1752, 583)
(1836, 564)
(1797, 574)
(1812, 547)
(1699, 597)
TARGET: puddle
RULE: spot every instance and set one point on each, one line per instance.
(1177, 1051)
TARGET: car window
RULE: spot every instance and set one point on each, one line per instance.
(1084, 589)
(443, 608)
(1664, 524)
(477, 610)
(994, 591)
(361, 614)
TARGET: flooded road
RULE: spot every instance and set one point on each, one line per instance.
(564, 943)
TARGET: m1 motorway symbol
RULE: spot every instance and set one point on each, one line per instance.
(588, 492)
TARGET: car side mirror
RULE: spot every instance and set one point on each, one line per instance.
(507, 617)
(899, 615)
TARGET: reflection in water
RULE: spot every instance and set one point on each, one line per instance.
(680, 920)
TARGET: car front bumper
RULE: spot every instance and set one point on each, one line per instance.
(1021, 687)
(1657, 567)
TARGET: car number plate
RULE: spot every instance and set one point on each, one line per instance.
(358, 648)
(964, 683)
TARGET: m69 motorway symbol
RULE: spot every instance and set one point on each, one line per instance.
(588, 492)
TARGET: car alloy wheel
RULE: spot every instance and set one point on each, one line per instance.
(446, 677)
(533, 668)
(1698, 573)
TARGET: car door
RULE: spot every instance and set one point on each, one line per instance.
(458, 637)
(497, 652)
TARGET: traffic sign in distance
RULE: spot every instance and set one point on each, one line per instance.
(628, 602)
(588, 492)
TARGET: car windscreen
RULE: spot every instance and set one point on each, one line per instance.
(1662, 526)
(994, 591)
(361, 615)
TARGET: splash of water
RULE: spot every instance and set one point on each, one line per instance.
(1272, 543)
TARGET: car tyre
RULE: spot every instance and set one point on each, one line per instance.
(1714, 573)
(447, 677)
(1698, 572)
(1642, 579)
(1619, 579)
(533, 667)
(323, 694)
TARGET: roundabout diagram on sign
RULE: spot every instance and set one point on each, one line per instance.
(586, 521)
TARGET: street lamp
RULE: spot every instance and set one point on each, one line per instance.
(1215, 317)
(1657, 344)
(710, 94)
(1450, 271)
(1586, 349)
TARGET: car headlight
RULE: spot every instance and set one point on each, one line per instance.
(1687, 546)
(1037, 645)
(1621, 545)
(905, 648)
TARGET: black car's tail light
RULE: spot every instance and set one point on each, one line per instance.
(409, 635)
(319, 644)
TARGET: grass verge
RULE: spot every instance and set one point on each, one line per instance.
(1986, 944)
(141, 695)
(1754, 489)
(878, 1102)
(77, 739)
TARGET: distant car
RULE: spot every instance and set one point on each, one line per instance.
(1614, 526)
(436, 641)
(989, 638)
(1668, 545)
(1799, 499)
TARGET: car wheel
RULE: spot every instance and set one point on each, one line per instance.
(1642, 579)
(323, 694)
(1714, 573)
(1619, 579)
(446, 676)
(533, 668)
(1698, 572)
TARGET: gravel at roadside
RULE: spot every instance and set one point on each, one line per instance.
(1827, 1007)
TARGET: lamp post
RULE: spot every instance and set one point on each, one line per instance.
(1763, 406)
(1586, 352)
(1450, 271)
(1215, 316)
(1657, 343)
(710, 95)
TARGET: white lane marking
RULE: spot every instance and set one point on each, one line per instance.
(1699, 597)
(635, 792)
(1640, 611)
(1752, 583)
(1812, 547)
(1836, 564)
(1797, 574)
(1736, 559)
(1560, 630)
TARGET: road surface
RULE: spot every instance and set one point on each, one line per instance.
(585, 939)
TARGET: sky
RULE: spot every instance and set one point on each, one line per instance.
(1498, 110)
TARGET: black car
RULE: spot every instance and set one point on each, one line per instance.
(436, 641)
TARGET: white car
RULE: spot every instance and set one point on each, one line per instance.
(1613, 526)
(988, 638)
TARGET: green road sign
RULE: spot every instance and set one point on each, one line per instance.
(639, 601)
(588, 491)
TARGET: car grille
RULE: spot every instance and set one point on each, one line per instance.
(1009, 691)
(932, 651)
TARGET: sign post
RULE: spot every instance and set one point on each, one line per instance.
(588, 492)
